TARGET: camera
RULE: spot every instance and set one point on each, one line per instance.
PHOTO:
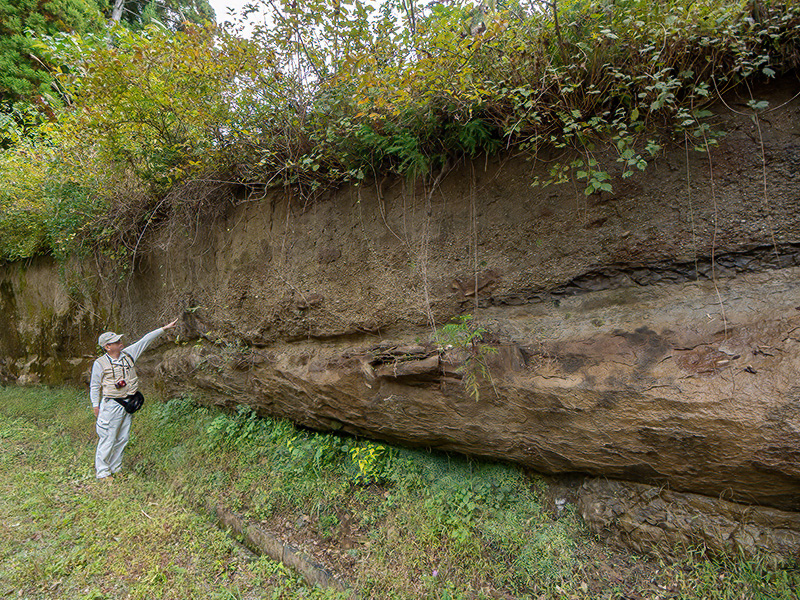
(120, 384)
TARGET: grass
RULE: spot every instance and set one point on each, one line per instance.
(396, 523)
(64, 535)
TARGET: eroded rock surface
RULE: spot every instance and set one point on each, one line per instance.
(651, 334)
(651, 385)
(650, 519)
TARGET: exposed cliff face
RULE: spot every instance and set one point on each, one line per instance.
(649, 386)
(649, 335)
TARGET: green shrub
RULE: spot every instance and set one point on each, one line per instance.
(371, 95)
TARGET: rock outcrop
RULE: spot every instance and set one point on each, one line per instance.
(657, 385)
(650, 335)
(649, 519)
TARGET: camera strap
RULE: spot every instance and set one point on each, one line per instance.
(125, 365)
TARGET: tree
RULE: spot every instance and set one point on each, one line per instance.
(26, 86)
(135, 14)
(22, 76)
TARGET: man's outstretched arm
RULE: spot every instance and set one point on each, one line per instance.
(135, 350)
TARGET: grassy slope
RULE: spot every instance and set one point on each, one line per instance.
(63, 535)
(396, 523)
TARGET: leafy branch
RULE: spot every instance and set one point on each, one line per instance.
(337, 92)
(463, 336)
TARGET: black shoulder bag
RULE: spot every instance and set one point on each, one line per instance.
(131, 403)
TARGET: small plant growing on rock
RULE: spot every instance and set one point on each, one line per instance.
(466, 339)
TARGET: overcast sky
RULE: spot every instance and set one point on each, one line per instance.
(221, 8)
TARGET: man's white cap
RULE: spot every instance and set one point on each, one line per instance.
(109, 337)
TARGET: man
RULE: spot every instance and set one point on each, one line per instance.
(114, 376)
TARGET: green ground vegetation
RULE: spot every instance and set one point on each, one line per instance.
(64, 536)
(396, 523)
(336, 92)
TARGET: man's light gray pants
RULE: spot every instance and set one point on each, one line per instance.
(113, 427)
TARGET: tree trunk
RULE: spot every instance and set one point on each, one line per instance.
(116, 11)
